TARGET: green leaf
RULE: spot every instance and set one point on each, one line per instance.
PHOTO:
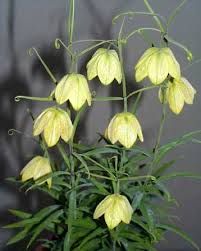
(19, 236)
(163, 150)
(87, 223)
(163, 168)
(84, 163)
(91, 245)
(137, 200)
(100, 187)
(48, 176)
(178, 231)
(20, 214)
(22, 223)
(101, 150)
(90, 236)
(179, 174)
(43, 225)
(100, 165)
(148, 215)
(138, 220)
(34, 219)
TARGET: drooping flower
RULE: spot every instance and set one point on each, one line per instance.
(157, 63)
(73, 87)
(53, 123)
(36, 168)
(125, 128)
(177, 93)
(106, 65)
(115, 208)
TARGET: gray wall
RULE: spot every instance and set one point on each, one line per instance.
(24, 24)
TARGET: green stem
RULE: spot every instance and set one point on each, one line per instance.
(124, 89)
(140, 30)
(158, 22)
(103, 99)
(71, 21)
(157, 145)
(163, 117)
(31, 50)
(142, 90)
(137, 178)
(101, 176)
(183, 47)
(76, 121)
(94, 46)
(134, 13)
(175, 12)
(72, 204)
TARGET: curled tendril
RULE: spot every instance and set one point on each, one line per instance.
(45, 99)
(131, 14)
(31, 52)
(58, 42)
(93, 93)
(12, 132)
(189, 54)
(17, 99)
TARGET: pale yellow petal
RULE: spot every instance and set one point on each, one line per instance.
(92, 64)
(52, 131)
(118, 73)
(124, 209)
(187, 90)
(112, 217)
(158, 68)
(62, 90)
(42, 121)
(79, 93)
(149, 52)
(175, 98)
(173, 65)
(28, 171)
(106, 69)
(102, 207)
(66, 126)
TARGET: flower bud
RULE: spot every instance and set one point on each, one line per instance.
(124, 127)
(157, 63)
(106, 65)
(73, 87)
(37, 168)
(177, 93)
(115, 208)
(53, 123)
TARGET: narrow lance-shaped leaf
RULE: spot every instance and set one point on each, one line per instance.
(178, 231)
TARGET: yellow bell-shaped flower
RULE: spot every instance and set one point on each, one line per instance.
(73, 87)
(157, 63)
(177, 93)
(54, 123)
(115, 208)
(106, 65)
(124, 127)
(37, 168)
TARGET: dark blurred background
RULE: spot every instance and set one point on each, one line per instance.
(24, 24)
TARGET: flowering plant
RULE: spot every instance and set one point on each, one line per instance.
(116, 179)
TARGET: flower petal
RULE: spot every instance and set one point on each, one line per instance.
(158, 68)
(102, 207)
(187, 90)
(175, 98)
